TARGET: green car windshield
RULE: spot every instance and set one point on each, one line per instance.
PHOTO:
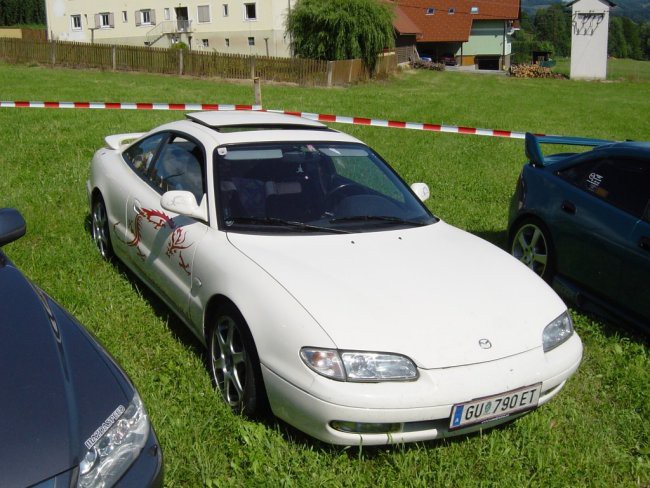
(318, 186)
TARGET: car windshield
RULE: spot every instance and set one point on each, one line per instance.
(312, 187)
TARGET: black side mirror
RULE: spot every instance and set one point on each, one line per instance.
(12, 225)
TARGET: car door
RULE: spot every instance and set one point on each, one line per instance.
(138, 157)
(163, 243)
(596, 225)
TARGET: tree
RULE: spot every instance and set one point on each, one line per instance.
(553, 24)
(616, 43)
(341, 29)
(631, 31)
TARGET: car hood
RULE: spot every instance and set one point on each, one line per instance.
(433, 293)
(57, 385)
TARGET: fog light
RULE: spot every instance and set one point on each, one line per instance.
(365, 428)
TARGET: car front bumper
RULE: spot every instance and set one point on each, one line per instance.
(425, 405)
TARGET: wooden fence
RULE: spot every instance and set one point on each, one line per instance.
(176, 61)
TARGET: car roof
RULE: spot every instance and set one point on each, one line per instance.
(234, 118)
(240, 127)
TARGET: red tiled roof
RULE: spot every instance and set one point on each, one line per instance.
(445, 27)
(403, 24)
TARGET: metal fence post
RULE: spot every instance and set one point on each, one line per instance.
(253, 67)
(114, 58)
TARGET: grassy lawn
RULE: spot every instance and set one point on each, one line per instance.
(596, 432)
(617, 69)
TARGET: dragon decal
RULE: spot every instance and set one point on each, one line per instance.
(159, 220)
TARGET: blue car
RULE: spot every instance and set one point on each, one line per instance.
(70, 416)
(582, 222)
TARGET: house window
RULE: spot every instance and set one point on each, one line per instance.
(204, 13)
(452, 11)
(125, 17)
(145, 17)
(251, 41)
(205, 42)
(474, 10)
(167, 14)
(225, 10)
(227, 42)
(104, 20)
(76, 22)
(250, 12)
(430, 11)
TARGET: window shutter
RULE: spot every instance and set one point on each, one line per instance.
(98, 21)
(138, 18)
(152, 14)
(111, 19)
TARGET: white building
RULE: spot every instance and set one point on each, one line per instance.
(590, 19)
(228, 26)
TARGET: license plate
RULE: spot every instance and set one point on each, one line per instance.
(487, 408)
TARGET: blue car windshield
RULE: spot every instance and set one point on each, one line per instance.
(317, 186)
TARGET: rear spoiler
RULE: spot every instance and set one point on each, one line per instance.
(534, 149)
(117, 141)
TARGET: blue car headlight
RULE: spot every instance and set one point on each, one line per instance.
(114, 445)
(557, 332)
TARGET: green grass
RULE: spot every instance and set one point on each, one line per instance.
(617, 69)
(596, 432)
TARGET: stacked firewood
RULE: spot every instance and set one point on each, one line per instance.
(532, 71)
(421, 64)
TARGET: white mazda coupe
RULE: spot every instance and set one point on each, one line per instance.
(322, 286)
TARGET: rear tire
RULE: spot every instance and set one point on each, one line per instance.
(100, 229)
(234, 364)
(530, 243)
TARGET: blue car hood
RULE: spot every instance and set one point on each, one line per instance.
(57, 384)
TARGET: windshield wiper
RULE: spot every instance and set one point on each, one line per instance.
(384, 218)
(282, 222)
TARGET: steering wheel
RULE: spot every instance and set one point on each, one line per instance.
(338, 193)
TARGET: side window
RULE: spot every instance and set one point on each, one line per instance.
(180, 167)
(625, 183)
(140, 155)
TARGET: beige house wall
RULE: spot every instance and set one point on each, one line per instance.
(223, 33)
(11, 33)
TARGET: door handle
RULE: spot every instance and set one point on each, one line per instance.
(137, 207)
(568, 207)
(644, 243)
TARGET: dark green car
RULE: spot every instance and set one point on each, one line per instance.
(582, 222)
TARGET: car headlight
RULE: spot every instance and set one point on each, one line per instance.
(114, 449)
(557, 331)
(358, 365)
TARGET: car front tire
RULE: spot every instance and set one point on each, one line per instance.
(234, 364)
(530, 243)
(100, 230)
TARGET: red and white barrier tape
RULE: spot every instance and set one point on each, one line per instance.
(197, 107)
(189, 107)
(404, 125)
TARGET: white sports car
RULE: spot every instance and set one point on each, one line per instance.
(322, 286)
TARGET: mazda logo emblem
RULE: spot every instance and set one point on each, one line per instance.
(485, 344)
